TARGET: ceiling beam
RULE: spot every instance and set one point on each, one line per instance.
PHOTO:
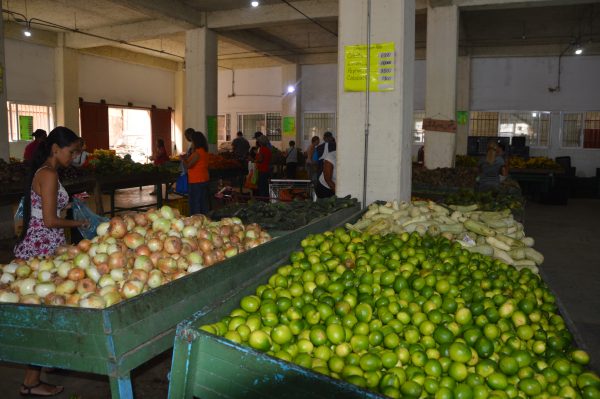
(245, 18)
(497, 4)
(132, 32)
(252, 42)
(175, 11)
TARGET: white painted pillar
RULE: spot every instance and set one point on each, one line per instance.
(463, 103)
(440, 86)
(7, 227)
(390, 116)
(201, 81)
(67, 86)
(291, 104)
(179, 141)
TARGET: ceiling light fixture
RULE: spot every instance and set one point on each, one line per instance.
(578, 50)
(291, 89)
(255, 4)
(27, 30)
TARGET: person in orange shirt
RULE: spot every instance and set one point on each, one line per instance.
(197, 167)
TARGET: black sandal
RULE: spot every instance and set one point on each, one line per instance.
(26, 389)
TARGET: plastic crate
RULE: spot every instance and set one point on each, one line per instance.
(287, 190)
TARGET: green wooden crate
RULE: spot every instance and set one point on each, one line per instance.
(207, 366)
(115, 340)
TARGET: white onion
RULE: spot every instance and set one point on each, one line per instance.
(26, 286)
(92, 252)
(102, 228)
(195, 257)
(10, 268)
(161, 225)
(110, 240)
(46, 265)
(174, 233)
(44, 276)
(167, 212)
(118, 274)
(155, 279)
(7, 278)
(105, 290)
(190, 232)
(82, 260)
(8, 297)
(178, 224)
(194, 267)
(106, 280)
(44, 289)
(143, 262)
(63, 269)
(140, 230)
(112, 248)
(93, 273)
(132, 288)
(98, 259)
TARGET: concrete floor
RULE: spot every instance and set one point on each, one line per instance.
(568, 236)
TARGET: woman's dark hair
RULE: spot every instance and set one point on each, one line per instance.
(188, 133)
(199, 140)
(62, 137)
(161, 143)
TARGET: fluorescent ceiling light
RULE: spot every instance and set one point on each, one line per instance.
(291, 89)
(578, 51)
(254, 4)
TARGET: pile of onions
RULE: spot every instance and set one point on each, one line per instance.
(130, 255)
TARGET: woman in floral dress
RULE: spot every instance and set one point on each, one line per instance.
(42, 224)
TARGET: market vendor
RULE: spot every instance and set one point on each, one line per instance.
(197, 167)
(490, 169)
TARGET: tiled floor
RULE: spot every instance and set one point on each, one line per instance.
(568, 236)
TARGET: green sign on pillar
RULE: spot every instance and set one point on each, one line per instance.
(462, 117)
(25, 127)
(289, 126)
(211, 127)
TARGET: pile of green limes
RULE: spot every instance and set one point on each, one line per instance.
(411, 316)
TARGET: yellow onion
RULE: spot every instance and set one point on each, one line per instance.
(23, 271)
(185, 249)
(205, 245)
(82, 260)
(139, 275)
(8, 297)
(155, 245)
(102, 229)
(172, 245)
(30, 299)
(190, 232)
(99, 259)
(132, 288)
(66, 287)
(72, 251)
(129, 222)
(155, 257)
(143, 262)
(86, 285)
(10, 268)
(55, 299)
(76, 274)
(230, 251)
(106, 280)
(140, 230)
(62, 249)
(167, 265)
(152, 216)
(103, 268)
(92, 273)
(141, 219)
(111, 298)
(84, 245)
(178, 274)
(117, 227)
(63, 269)
(46, 264)
(182, 264)
(161, 224)
(143, 250)
(133, 240)
(93, 301)
(177, 225)
(117, 260)
(109, 288)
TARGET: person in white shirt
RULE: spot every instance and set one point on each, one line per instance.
(291, 160)
(326, 184)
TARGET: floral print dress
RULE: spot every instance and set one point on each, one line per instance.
(41, 240)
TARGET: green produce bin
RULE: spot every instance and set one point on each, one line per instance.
(116, 340)
(207, 366)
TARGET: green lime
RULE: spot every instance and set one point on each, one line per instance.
(281, 334)
(250, 303)
(336, 333)
(259, 340)
(460, 352)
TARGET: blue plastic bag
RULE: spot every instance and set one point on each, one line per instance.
(181, 185)
(82, 212)
(19, 212)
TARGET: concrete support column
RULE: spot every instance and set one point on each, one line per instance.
(7, 227)
(390, 112)
(67, 86)
(180, 141)
(200, 80)
(291, 104)
(463, 101)
(440, 86)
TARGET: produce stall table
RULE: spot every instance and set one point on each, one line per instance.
(14, 194)
(535, 181)
(115, 340)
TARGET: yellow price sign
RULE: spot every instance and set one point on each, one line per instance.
(381, 69)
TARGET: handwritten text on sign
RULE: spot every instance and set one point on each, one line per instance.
(439, 125)
(381, 69)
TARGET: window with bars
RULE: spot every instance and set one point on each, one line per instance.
(224, 127)
(581, 129)
(251, 123)
(317, 123)
(533, 125)
(274, 126)
(24, 119)
(418, 132)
